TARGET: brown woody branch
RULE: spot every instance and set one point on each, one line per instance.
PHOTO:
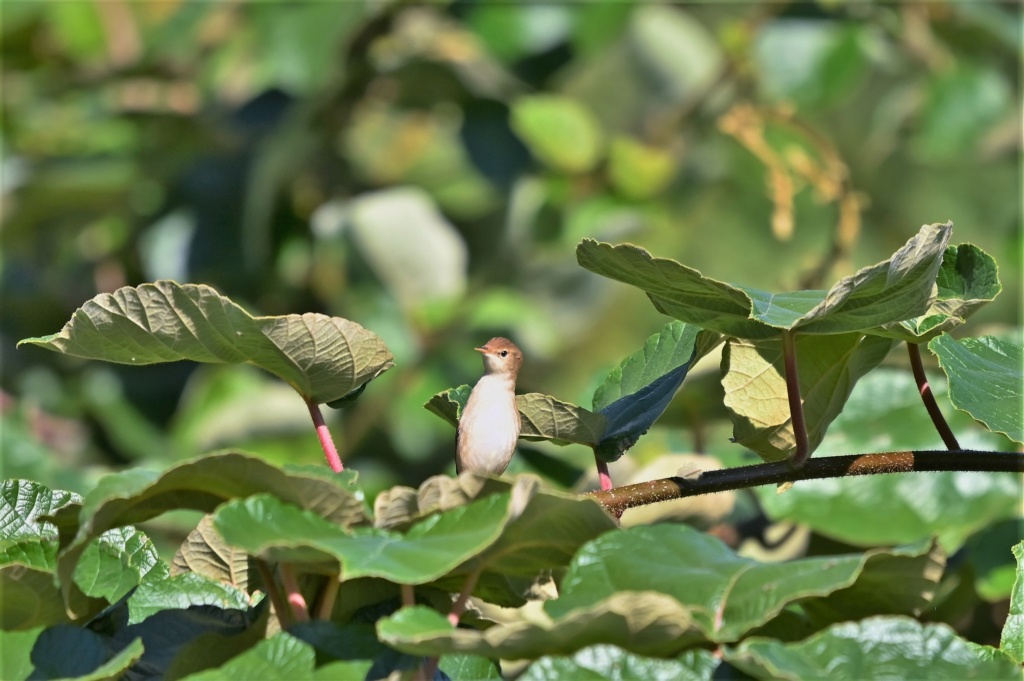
(619, 499)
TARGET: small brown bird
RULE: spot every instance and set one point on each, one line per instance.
(489, 426)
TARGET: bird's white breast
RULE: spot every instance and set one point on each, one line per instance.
(489, 427)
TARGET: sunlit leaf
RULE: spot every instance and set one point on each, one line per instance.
(754, 378)
(1012, 639)
(602, 662)
(985, 380)
(204, 552)
(899, 288)
(323, 358)
(891, 647)
(201, 485)
(726, 594)
(968, 279)
(642, 622)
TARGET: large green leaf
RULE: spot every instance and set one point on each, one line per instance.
(541, 416)
(754, 378)
(201, 485)
(967, 280)
(638, 391)
(282, 657)
(642, 622)
(902, 287)
(879, 647)
(30, 599)
(727, 595)
(323, 358)
(510, 534)
(267, 527)
(559, 131)
(610, 663)
(885, 413)
(986, 379)
(1012, 639)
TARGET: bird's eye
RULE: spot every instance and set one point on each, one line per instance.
(504, 353)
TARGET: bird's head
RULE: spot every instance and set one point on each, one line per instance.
(501, 356)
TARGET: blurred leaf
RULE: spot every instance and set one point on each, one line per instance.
(962, 103)
(885, 413)
(637, 392)
(1012, 640)
(985, 380)
(678, 50)
(201, 485)
(542, 417)
(753, 375)
(967, 280)
(70, 652)
(994, 567)
(16, 663)
(181, 592)
(559, 131)
(727, 595)
(813, 62)
(637, 170)
(323, 358)
(899, 288)
(512, 32)
(30, 600)
(205, 553)
(890, 647)
(416, 252)
(608, 662)
(642, 622)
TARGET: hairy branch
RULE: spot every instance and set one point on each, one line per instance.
(619, 499)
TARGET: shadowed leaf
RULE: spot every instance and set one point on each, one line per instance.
(639, 390)
(754, 378)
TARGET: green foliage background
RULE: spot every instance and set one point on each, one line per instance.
(427, 170)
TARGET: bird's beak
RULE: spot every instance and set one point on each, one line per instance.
(483, 350)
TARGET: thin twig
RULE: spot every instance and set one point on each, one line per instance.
(333, 460)
(277, 599)
(325, 600)
(619, 499)
(296, 601)
(929, 398)
(408, 596)
(459, 606)
(796, 405)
